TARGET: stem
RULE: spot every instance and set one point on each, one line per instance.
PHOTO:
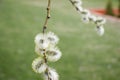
(45, 59)
(47, 17)
(44, 28)
(73, 2)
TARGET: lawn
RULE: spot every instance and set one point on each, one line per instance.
(85, 55)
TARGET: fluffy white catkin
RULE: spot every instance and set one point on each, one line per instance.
(38, 65)
(51, 75)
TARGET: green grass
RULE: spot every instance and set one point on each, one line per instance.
(86, 56)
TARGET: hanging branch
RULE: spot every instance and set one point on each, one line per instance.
(45, 47)
(88, 17)
(44, 28)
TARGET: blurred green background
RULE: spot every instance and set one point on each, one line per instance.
(86, 56)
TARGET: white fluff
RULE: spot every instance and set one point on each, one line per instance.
(39, 51)
(100, 21)
(85, 15)
(52, 38)
(53, 54)
(85, 19)
(100, 30)
(51, 75)
(38, 65)
(92, 18)
(85, 12)
(80, 9)
(79, 3)
(41, 41)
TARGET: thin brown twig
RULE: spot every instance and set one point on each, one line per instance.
(47, 17)
(44, 55)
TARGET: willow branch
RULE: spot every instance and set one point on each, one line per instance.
(44, 28)
(45, 25)
(47, 17)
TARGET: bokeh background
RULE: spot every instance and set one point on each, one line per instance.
(85, 55)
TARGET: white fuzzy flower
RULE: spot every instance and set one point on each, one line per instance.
(79, 8)
(100, 30)
(85, 12)
(100, 21)
(53, 54)
(39, 51)
(85, 15)
(41, 41)
(51, 75)
(79, 3)
(85, 19)
(92, 18)
(52, 38)
(38, 65)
